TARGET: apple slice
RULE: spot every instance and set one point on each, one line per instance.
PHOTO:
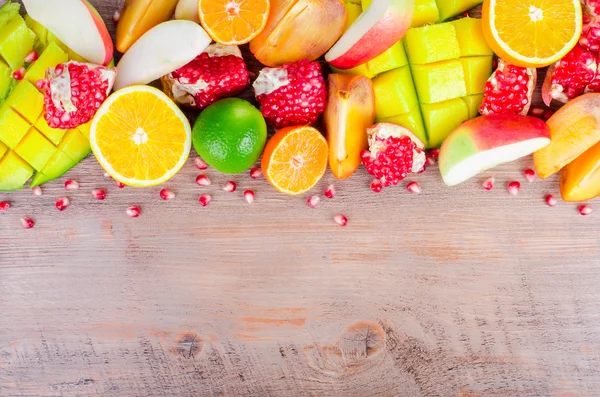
(163, 49)
(77, 24)
(487, 141)
(381, 25)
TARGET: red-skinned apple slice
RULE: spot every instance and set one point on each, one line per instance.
(487, 141)
(161, 50)
(77, 24)
(381, 25)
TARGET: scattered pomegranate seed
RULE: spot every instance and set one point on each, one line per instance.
(200, 164)
(119, 184)
(255, 173)
(107, 175)
(167, 194)
(529, 174)
(429, 160)
(100, 194)
(536, 111)
(551, 201)
(31, 56)
(434, 153)
(230, 186)
(116, 16)
(37, 191)
(71, 185)
(341, 220)
(376, 186)
(330, 191)
(19, 74)
(585, 210)
(488, 184)
(414, 187)
(204, 200)
(203, 180)
(249, 196)
(313, 201)
(547, 114)
(514, 187)
(27, 223)
(133, 212)
(466, 14)
(62, 203)
(4, 205)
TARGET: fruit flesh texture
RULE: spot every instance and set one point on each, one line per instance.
(442, 118)
(426, 12)
(16, 40)
(452, 8)
(138, 17)
(580, 179)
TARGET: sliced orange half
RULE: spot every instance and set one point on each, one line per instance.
(140, 137)
(295, 159)
(233, 22)
(532, 33)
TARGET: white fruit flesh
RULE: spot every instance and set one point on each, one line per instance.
(187, 10)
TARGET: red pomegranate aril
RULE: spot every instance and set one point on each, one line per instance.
(550, 200)
(514, 187)
(204, 200)
(585, 210)
(376, 186)
(414, 187)
(62, 203)
(230, 186)
(330, 191)
(31, 56)
(341, 220)
(27, 223)
(167, 194)
(488, 184)
(4, 205)
(200, 164)
(37, 191)
(509, 90)
(203, 180)
(570, 76)
(100, 194)
(71, 185)
(313, 201)
(116, 17)
(249, 196)
(133, 212)
(434, 153)
(536, 111)
(529, 174)
(255, 173)
(19, 74)
(120, 185)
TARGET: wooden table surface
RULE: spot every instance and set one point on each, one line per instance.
(453, 292)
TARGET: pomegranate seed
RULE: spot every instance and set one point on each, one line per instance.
(4, 205)
(376, 186)
(255, 173)
(429, 160)
(133, 212)
(167, 194)
(466, 14)
(19, 74)
(27, 223)
(585, 210)
(116, 16)
(62, 203)
(434, 153)
(230, 186)
(547, 114)
(313, 201)
(550, 200)
(341, 220)
(37, 191)
(120, 185)
(202, 180)
(529, 174)
(536, 111)
(31, 56)
(204, 200)
(200, 164)
(100, 194)
(107, 175)
(488, 184)
(330, 191)
(249, 196)
(71, 185)
(414, 187)
(514, 187)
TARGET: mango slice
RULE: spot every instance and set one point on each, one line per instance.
(12, 127)
(15, 172)
(26, 100)
(56, 167)
(412, 120)
(35, 149)
(394, 93)
(442, 118)
(16, 40)
(469, 33)
(452, 8)
(580, 179)
(49, 58)
(438, 82)
(432, 43)
(477, 70)
(473, 103)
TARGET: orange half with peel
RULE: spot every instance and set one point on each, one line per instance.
(295, 159)
(532, 33)
(140, 137)
(233, 22)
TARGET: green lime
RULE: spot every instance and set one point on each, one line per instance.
(230, 135)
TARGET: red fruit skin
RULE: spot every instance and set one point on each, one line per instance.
(509, 90)
(298, 100)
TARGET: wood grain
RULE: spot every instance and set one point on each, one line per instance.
(453, 292)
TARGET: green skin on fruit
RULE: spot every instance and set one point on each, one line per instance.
(230, 135)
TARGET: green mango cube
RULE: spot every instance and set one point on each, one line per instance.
(41, 33)
(431, 43)
(394, 93)
(12, 126)
(426, 12)
(412, 120)
(6, 80)
(469, 32)
(55, 135)
(16, 40)
(15, 172)
(477, 71)
(394, 57)
(75, 146)
(56, 167)
(438, 82)
(473, 103)
(452, 8)
(3, 149)
(26, 100)
(52, 56)
(35, 149)
(442, 118)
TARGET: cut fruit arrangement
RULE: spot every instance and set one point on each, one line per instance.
(407, 77)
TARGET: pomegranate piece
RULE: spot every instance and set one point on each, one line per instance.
(313, 201)
(585, 210)
(204, 200)
(414, 187)
(341, 220)
(200, 164)
(590, 34)
(488, 184)
(292, 94)
(550, 200)
(167, 194)
(216, 73)
(4, 205)
(62, 203)
(133, 212)
(37, 191)
(31, 56)
(255, 173)
(71, 185)
(203, 180)
(376, 186)
(569, 77)
(100, 194)
(509, 90)
(27, 223)
(120, 185)
(249, 196)
(394, 152)
(19, 74)
(230, 186)
(514, 187)
(529, 174)
(73, 93)
(330, 191)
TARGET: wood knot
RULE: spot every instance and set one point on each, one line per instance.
(187, 344)
(362, 340)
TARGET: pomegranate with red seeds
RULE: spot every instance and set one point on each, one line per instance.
(73, 93)
(292, 94)
(216, 73)
(509, 90)
(590, 34)
(394, 152)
